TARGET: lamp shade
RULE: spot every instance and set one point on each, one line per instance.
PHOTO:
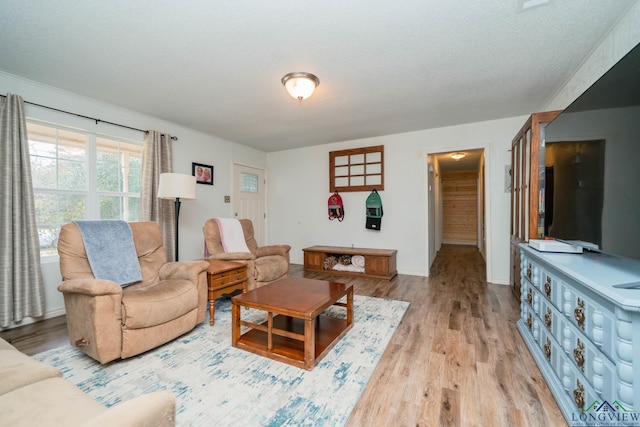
(177, 186)
(300, 85)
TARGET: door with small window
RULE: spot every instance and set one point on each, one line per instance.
(248, 199)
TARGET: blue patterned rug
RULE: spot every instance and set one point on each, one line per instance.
(216, 384)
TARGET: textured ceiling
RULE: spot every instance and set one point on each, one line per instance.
(384, 67)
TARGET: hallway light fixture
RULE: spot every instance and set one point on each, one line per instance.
(458, 156)
(300, 85)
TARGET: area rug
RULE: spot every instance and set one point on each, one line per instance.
(216, 384)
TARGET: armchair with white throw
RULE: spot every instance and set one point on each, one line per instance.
(233, 240)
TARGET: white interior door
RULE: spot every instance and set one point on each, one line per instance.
(248, 198)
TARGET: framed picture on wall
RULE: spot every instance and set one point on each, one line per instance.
(203, 173)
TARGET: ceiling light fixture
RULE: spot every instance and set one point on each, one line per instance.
(300, 85)
(524, 5)
(457, 156)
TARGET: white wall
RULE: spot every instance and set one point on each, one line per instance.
(192, 146)
(432, 205)
(482, 238)
(299, 188)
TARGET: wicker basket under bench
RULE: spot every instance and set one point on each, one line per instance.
(378, 263)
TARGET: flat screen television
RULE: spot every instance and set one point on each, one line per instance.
(592, 165)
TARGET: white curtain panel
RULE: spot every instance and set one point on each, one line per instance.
(21, 282)
(157, 158)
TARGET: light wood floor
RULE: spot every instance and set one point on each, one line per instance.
(456, 359)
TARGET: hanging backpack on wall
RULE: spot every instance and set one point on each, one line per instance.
(336, 208)
(374, 211)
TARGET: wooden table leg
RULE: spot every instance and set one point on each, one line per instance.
(349, 306)
(235, 323)
(309, 343)
(270, 331)
(212, 310)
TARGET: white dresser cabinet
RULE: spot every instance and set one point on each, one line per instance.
(584, 333)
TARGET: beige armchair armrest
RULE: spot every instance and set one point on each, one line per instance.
(90, 286)
(94, 316)
(187, 270)
(153, 409)
(234, 256)
(282, 250)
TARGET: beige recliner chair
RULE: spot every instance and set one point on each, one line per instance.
(265, 264)
(107, 321)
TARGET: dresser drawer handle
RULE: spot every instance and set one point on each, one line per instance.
(529, 321)
(578, 395)
(529, 271)
(547, 318)
(547, 287)
(578, 355)
(530, 297)
(578, 313)
(547, 349)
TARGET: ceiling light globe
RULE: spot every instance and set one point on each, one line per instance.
(300, 85)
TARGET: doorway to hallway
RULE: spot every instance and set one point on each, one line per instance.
(456, 200)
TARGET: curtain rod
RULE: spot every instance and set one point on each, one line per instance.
(173, 138)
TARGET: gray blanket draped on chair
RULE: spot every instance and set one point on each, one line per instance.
(110, 250)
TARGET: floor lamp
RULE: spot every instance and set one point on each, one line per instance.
(176, 186)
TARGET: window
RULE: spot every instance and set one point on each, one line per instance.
(358, 169)
(78, 175)
(248, 183)
(119, 174)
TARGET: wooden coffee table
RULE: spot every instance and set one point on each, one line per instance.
(295, 332)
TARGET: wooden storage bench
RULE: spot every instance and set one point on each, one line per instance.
(378, 263)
